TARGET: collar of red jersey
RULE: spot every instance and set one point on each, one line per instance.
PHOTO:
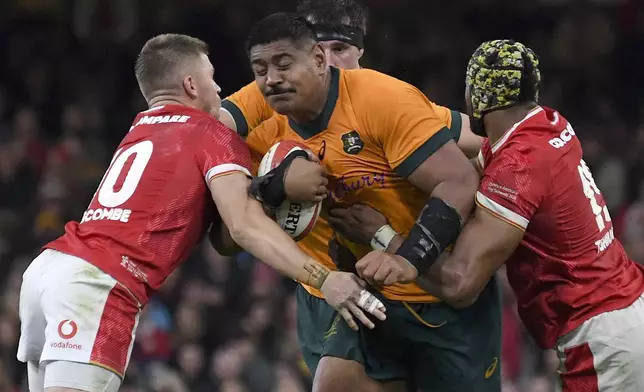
(510, 131)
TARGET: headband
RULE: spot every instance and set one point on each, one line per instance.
(345, 33)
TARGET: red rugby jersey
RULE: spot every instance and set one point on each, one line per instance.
(569, 266)
(153, 205)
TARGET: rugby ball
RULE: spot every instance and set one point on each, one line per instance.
(296, 219)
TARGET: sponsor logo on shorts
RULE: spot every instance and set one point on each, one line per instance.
(67, 345)
(67, 329)
(490, 370)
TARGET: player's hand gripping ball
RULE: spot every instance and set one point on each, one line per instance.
(305, 186)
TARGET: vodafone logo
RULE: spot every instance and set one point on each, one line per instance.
(67, 329)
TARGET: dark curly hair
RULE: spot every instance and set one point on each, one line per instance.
(335, 13)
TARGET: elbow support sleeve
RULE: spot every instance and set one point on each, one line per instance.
(436, 228)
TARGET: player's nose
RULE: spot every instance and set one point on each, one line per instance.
(273, 77)
(328, 53)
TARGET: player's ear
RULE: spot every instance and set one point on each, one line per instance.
(321, 62)
(190, 87)
(360, 53)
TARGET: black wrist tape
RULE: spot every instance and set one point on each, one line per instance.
(436, 228)
(269, 188)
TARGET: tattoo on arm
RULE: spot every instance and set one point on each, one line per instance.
(316, 274)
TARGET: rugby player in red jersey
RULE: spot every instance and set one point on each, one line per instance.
(81, 297)
(540, 213)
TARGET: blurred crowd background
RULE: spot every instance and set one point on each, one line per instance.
(68, 95)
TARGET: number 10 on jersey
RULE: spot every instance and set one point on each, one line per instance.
(107, 196)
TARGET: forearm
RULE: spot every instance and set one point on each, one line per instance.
(446, 283)
(440, 281)
(438, 225)
(458, 193)
(260, 236)
(222, 241)
(445, 279)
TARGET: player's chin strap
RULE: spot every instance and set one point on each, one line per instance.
(269, 188)
(436, 228)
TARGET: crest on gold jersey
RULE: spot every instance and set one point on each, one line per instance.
(351, 142)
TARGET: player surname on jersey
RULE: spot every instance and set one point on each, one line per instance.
(162, 119)
(114, 214)
(605, 241)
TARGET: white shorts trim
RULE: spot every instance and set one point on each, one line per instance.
(606, 351)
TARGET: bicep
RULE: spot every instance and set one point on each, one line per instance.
(486, 243)
(482, 248)
(447, 163)
(406, 125)
(420, 142)
(468, 142)
(227, 119)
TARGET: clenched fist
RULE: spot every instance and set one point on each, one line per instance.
(384, 269)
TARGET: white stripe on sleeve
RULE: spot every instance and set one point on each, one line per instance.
(501, 211)
(224, 168)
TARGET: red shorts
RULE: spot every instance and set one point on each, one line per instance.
(72, 311)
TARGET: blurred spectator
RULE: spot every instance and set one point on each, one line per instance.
(634, 227)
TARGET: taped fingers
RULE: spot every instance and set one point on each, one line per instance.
(360, 315)
(372, 305)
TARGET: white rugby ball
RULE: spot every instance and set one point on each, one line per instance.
(296, 219)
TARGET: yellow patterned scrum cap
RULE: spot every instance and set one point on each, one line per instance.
(494, 75)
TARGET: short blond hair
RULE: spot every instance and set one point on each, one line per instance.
(161, 57)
